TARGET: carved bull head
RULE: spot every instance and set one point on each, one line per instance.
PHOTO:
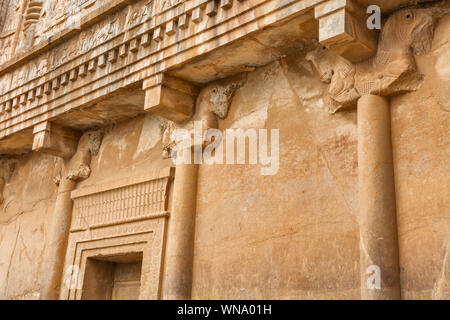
(408, 29)
(216, 97)
(324, 61)
(88, 146)
(220, 97)
(94, 141)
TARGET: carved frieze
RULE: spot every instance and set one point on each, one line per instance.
(145, 38)
(164, 5)
(10, 16)
(122, 201)
(121, 23)
(33, 13)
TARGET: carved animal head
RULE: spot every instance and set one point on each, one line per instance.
(219, 96)
(88, 146)
(94, 140)
(324, 60)
(167, 127)
(408, 29)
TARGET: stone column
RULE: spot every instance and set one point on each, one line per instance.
(379, 258)
(352, 79)
(59, 231)
(78, 168)
(212, 104)
(181, 232)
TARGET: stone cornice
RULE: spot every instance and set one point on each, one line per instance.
(85, 21)
(131, 42)
(144, 49)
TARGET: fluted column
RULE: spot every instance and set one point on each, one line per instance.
(379, 255)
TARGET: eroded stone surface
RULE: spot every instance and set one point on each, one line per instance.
(292, 235)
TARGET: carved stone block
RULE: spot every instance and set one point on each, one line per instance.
(82, 70)
(183, 21)
(171, 27)
(211, 8)
(65, 79)
(15, 103)
(39, 92)
(171, 98)
(343, 29)
(102, 61)
(145, 40)
(31, 95)
(158, 34)
(73, 75)
(134, 45)
(197, 15)
(48, 88)
(53, 139)
(392, 70)
(23, 99)
(226, 4)
(56, 83)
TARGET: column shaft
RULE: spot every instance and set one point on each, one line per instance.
(378, 226)
(180, 236)
(56, 250)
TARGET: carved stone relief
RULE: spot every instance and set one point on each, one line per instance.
(4, 5)
(406, 33)
(117, 218)
(58, 15)
(212, 104)
(9, 19)
(32, 14)
(168, 143)
(139, 12)
(11, 16)
(88, 146)
(167, 4)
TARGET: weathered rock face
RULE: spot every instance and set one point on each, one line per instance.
(420, 122)
(26, 212)
(94, 207)
(294, 234)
